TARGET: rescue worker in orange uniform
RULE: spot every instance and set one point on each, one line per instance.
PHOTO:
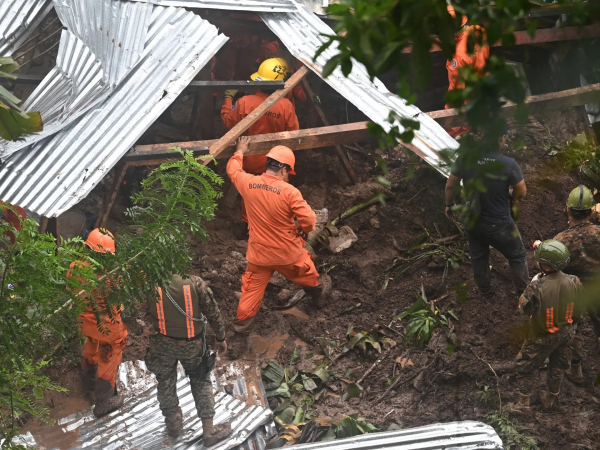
(462, 58)
(281, 117)
(275, 243)
(103, 348)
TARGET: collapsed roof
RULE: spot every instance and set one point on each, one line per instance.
(122, 63)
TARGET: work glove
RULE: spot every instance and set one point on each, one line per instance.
(230, 93)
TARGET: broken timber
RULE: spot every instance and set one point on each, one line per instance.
(254, 116)
(353, 132)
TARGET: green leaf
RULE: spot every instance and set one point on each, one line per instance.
(274, 372)
(13, 125)
(309, 383)
(352, 391)
(283, 390)
(295, 357)
(38, 392)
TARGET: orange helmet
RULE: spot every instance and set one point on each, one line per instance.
(101, 241)
(453, 14)
(284, 155)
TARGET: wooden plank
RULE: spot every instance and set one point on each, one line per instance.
(260, 144)
(43, 224)
(448, 118)
(338, 148)
(252, 118)
(239, 85)
(542, 36)
(111, 196)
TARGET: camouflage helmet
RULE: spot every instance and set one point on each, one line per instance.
(552, 253)
(581, 199)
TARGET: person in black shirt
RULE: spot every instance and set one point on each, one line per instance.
(494, 225)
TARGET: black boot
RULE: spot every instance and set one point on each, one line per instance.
(319, 295)
(520, 277)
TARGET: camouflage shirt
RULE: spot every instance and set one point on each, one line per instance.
(583, 242)
(209, 307)
(549, 301)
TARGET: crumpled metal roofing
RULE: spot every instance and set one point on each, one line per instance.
(54, 174)
(139, 424)
(73, 86)
(236, 5)
(467, 435)
(300, 31)
(18, 18)
(114, 30)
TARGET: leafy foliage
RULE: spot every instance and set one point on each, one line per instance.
(41, 295)
(582, 154)
(423, 319)
(22, 391)
(510, 432)
(14, 122)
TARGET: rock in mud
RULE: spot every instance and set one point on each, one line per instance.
(343, 240)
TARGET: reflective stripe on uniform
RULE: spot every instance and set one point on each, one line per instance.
(189, 309)
(569, 315)
(160, 313)
(550, 320)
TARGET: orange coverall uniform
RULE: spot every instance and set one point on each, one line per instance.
(462, 58)
(102, 349)
(281, 117)
(274, 244)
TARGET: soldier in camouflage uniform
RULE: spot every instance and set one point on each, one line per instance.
(179, 316)
(549, 301)
(582, 238)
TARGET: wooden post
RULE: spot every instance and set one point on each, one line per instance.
(338, 148)
(43, 224)
(111, 196)
(253, 117)
(203, 117)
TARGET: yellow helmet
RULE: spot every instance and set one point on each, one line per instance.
(273, 69)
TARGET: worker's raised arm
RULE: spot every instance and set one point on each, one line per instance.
(304, 213)
(210, 308)
(230, 112)
(235, 164)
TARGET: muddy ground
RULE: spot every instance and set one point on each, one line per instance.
(489, 331)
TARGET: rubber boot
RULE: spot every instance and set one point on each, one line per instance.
(214, 433)
(319, 296)
(575, 375)
(104, 407)
(485, 285)
(174, 424)
(521, 408)
(547, 398)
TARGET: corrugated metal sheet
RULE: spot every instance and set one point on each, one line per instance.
(56, 173)
(18, 18)
(139, 424)
(236, 5)
(73, 86)
(300, 32)
(114, 30)
(466, 435)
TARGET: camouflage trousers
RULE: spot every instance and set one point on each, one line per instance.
(534, 352)
(161, 360)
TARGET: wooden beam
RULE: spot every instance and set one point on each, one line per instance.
(111, 196)
(225, 85)
(252, 118)
(338, 148)
(261, 144)
(542, 36)
(448, 118)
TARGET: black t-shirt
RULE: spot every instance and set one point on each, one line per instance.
(495, 200)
